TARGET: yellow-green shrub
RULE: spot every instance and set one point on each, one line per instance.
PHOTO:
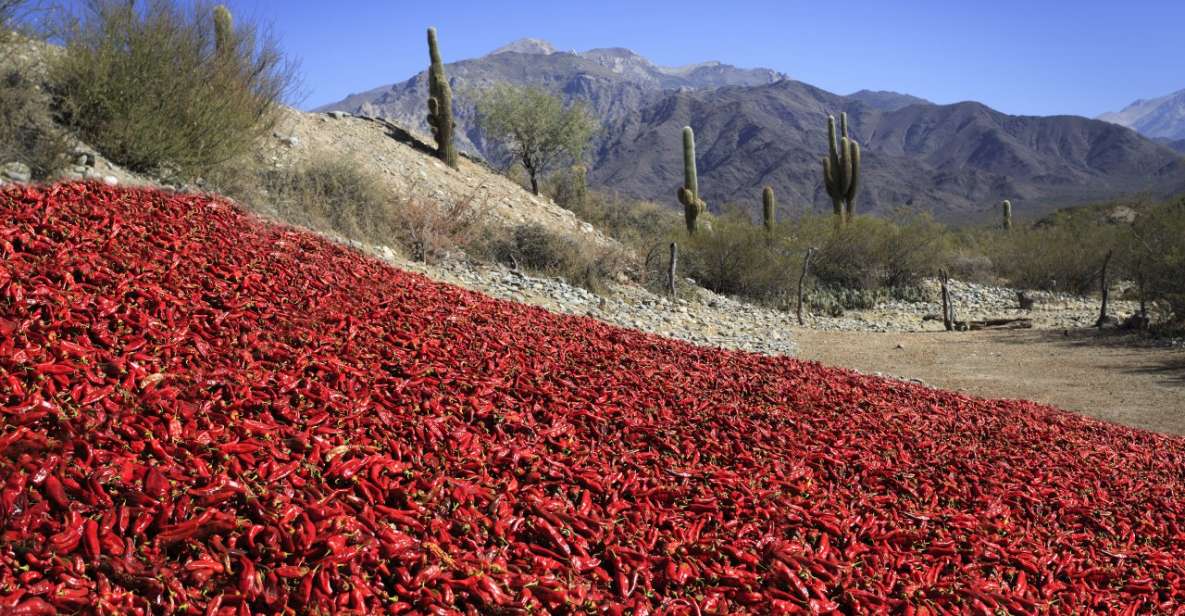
(143, 83)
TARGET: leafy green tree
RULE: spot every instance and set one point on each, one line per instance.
(535, 127)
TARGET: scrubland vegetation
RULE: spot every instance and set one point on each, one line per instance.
(871, 258)
(163, 89)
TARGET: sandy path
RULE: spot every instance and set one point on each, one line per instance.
(1105, 376)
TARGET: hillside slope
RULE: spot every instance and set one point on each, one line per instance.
(201, 412)
(407, 168)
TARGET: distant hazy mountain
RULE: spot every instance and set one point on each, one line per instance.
(756, 127)
(1162, 117)
(1178, 145)
(614, 82)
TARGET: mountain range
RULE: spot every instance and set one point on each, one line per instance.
(1160, 118)
(757, 127)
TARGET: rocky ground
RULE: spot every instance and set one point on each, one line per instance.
(705, 318)
(702, 317)
(973, 302)
(1110, 375)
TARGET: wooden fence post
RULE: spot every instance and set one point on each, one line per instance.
(1106, 292)
(806, 264)
(947, 310)
(671, 269)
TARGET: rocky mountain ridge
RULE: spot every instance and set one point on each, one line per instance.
(614, 82)
(756, 127)
(957, 161)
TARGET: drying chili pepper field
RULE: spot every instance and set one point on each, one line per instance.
(203, 413)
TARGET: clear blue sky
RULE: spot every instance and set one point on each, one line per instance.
(1038, 57)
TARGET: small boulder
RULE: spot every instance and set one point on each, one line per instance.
(111, 180)
(17, 172)
(1107, 322)
(338, 115)
(291, 141)
(1138, 321)
(1121, 215)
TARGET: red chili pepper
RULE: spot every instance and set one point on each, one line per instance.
(33, 607)
(91, 535)
(201, 411)
(55, 492)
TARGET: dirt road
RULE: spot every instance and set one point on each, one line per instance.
(1107, 376)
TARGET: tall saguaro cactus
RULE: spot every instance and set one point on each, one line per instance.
(693, 206)
(223, 30)
(769, 206)
(1007, 207)
(841, 169)
(440, 105)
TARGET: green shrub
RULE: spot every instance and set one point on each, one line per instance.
(8, 14)
(145, 85)
(873, 253)
(13, 15)
(733, 257)
(331, 194)
(638, 224)
(534, 248)
(1153, 255)
(1064, 255)
(27, 132)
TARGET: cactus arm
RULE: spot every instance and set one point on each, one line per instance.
(828, 178)
(854, 185)
(831, 183)
(769, 206)
(832, 144)
(223, 30)
(690, 175)
(440, 104)
(433, 48)
(845, 167)
(691, 208)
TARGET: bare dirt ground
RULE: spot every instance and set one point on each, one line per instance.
(1108, 376)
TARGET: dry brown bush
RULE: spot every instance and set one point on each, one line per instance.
(429, 231)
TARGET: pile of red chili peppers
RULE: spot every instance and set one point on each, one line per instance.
(201, 413)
